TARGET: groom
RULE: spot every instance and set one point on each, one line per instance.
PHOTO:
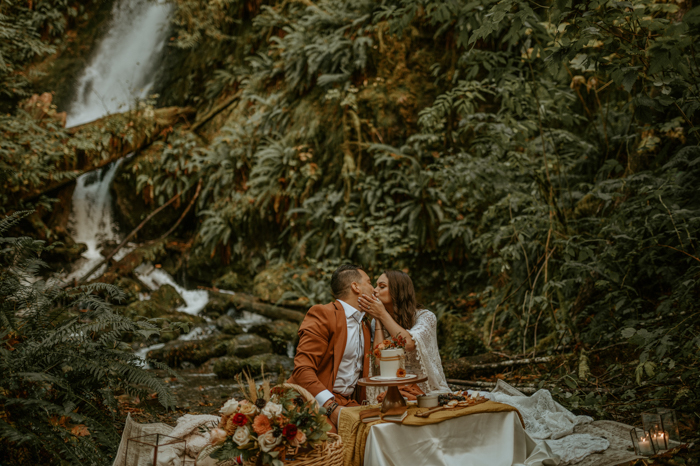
(333, 342)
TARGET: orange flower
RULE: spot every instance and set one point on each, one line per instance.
(261, 424)
(377, 353)
(401, 372)
(386, 342)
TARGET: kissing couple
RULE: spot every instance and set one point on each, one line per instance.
(335, 339)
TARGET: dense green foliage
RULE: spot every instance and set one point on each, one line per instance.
(534, 166)
(539, 156)
(62, 362)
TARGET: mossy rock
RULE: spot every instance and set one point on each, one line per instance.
(279, 332)
(217, 306)
(149, 309)
(228, 325)
(66, 253)
(247, 345)
(169, 335)
(131, 288)
(168, 297)
(232, 281)
(270, 363)
(269, 285)
(230, 366)
(458, 338)
(197, 352)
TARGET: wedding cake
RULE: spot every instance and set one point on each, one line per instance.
(391, 363)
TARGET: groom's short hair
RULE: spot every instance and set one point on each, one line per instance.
(343, 278)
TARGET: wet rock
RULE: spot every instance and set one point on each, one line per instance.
(131, 288)
(66, 253)
(230, 366)
(196, 352)
(269, 285)
(168, 297)
(279, 332)
(458, 338)
(150, 253)
(232, 281)
(228, 325)
(246, 345)
(218, 305)
(149, 309)
(270, 363)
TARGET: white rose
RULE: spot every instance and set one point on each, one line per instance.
(272, 410)
(229, 407)
(247, 408)
(241, 436)
(268, 441)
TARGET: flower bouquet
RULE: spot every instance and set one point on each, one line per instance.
(391, 356)
(270, 426)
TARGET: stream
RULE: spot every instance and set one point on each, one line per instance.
(118, 76)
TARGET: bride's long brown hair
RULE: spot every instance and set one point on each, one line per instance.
(403, 298)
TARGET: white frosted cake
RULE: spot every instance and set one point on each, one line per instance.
(390, 368)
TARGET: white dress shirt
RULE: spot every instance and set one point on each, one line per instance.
(350, 368)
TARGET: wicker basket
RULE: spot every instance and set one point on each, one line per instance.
(328, 453)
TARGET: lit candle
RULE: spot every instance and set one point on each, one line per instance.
(645, 447)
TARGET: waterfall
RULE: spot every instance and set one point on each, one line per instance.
(91, 219)
(124, 65)
(121, 71)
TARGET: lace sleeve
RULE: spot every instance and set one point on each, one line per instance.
(424, 335)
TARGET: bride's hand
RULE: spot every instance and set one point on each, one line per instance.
(372, 306)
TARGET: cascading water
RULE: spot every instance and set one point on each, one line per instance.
(91, 220)
(121, 72)
(124, 66)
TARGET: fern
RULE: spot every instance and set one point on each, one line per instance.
(61, 361)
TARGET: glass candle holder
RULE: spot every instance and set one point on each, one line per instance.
(669, 423)
(659, 438)
(641, 439)
(155, 450)
(651, 421)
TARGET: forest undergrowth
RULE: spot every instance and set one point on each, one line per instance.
(533, 166)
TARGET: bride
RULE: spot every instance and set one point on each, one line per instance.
(395, 311)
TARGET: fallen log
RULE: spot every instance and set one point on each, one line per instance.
(109, 139)
(526, 389)
(462, 368)
(514, 362)
(245, 303)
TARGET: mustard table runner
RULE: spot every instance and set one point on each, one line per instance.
(354, 432)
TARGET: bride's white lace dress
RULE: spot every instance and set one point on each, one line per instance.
(424, 361)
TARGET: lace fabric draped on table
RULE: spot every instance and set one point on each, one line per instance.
(544, 418)
(424, 361)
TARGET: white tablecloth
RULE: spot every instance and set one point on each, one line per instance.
(488, 439)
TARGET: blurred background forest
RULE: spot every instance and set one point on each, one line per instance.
(534, 166)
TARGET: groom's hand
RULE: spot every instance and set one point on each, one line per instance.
(334, 415)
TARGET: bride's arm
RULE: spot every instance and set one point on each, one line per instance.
(382, 318)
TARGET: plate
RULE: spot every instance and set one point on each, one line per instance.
(379, 378)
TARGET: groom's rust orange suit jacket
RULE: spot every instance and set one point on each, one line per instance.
(322, 338)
